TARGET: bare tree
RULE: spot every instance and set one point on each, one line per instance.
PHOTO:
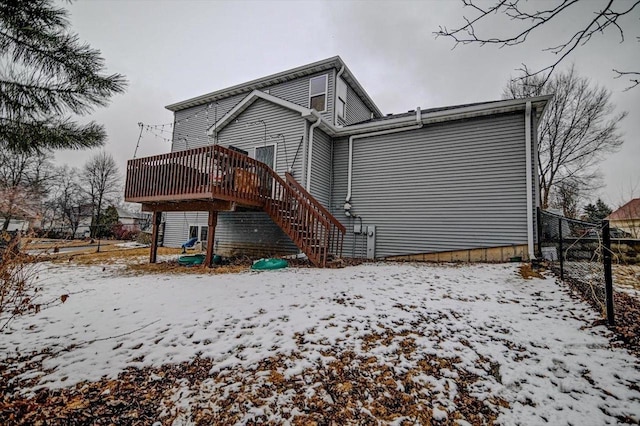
(534, 17)
(566, 197)
(70, 203)
(101, 183)
(24, 182)
(577, 130)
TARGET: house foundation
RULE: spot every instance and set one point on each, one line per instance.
(491, 254)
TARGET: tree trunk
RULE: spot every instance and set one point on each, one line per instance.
(5, 225)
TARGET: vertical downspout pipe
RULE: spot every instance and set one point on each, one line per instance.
(335, 96)
(310, 155)
(528, 151)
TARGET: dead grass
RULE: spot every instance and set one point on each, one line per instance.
(136, 261)
(172, 267)
(48, 243)
(527, 272)
(627, 275)
(110, 255)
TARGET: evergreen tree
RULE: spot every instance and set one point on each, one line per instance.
(598, 211)
(107, 221)
(47, 75)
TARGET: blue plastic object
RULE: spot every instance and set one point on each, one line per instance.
(189, 244)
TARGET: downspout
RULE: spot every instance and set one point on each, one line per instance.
(528, 151)
(335, 96)
(310, 154)
(418, 125)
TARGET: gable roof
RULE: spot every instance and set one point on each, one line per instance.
(629, 211)
(248, 101)
(294, 73)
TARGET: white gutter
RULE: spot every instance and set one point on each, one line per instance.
(335, 96)
(309, 156)
(418, 120)
(527, 138)
(489, 108)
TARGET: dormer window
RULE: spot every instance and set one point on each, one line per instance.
(318, 93)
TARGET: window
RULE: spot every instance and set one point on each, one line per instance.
(266, 154)
(318, 93)
(342, 98)
(201, 232)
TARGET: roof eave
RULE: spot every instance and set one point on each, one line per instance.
(511, 105)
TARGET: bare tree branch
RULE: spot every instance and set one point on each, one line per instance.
(577, 131)
(514, 10)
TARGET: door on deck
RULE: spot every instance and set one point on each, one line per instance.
(267, 154)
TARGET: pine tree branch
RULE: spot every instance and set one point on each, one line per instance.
(24, 95)
(47, 74)
(50, 133)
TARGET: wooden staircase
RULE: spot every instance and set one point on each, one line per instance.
(206, 177)
(309, 225)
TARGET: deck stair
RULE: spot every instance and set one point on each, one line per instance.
(201, 177)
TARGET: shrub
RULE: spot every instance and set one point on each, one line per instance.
(18, 273)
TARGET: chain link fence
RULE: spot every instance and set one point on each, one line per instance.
(580, 254)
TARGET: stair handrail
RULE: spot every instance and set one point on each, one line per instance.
(313, 202)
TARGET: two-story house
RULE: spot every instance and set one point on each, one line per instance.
(333, 174)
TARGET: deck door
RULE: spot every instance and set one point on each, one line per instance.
(267, 154)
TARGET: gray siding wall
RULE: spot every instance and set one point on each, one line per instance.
(321, 167)
(448, 186)
(250, 232)
(192, 133)
(356, 111)
(191, 124)
(297, 91)
(279, 121)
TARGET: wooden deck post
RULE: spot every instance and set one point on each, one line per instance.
(157, 218)
(213, 221)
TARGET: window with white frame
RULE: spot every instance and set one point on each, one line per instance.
(201, 232)
(318, 93)
(342, 98)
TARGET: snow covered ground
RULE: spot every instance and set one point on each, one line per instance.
(524, 348)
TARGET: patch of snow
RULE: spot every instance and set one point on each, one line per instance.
(542, 358)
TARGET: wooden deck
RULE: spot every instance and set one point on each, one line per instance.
(214, 178)
(207, 173)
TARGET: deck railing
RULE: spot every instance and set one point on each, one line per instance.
(207, 172)
(215, 172)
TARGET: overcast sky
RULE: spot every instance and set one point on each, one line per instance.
(174, 50)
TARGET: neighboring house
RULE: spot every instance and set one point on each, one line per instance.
(459, 180)
(627, 218)
(22, 218)
(134, 221)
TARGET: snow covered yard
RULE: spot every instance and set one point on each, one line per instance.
(371, 344)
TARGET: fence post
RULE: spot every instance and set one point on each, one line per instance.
(560, 256)
(539, 231)
(608, 279)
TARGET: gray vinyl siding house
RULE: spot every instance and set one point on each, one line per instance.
(430, 181)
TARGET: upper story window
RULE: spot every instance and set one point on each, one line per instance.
(342, 98)
(318, 93)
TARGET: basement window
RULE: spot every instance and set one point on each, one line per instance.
(201, 232)
(318, 93)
